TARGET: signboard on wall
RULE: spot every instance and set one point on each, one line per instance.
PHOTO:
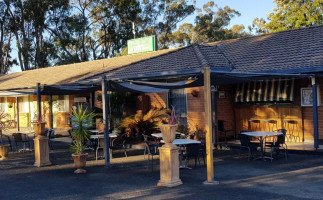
(307, 96)
(140, 45)
(80, 100)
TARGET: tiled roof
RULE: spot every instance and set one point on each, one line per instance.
(293, 49)
(72, 72)
(184, 59)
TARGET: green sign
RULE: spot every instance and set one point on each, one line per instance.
(140, 45)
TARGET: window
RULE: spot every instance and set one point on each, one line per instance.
(24, 104)
(276, 90)
(63, 103)
(3, 104)
(177, 98)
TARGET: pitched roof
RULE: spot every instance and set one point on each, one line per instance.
(287, 50)
(187, 59)
(70, 73)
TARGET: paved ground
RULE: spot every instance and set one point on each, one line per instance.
(301, 177)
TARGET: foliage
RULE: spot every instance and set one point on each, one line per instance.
(172, 118)
(144, 124)
(6, 38)
(292, 14)
(82, 120)
(210, 26)
(62, 32)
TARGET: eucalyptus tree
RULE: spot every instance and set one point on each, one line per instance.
(28, 22)
(210, 26)
(6, 39)
(291, 14)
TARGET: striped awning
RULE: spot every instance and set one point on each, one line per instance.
(275, 90)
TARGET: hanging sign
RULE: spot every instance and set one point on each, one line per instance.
(140, 45)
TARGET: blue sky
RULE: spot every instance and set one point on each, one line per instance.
(249, 10)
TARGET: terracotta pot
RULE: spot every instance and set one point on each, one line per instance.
(4, 150)
(168, 133)
(39, 128)
(80, 162)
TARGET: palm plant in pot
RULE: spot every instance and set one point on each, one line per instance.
(82, 121)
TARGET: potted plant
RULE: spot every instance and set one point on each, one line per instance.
(39, 127)
(82, 121)
(169, 130)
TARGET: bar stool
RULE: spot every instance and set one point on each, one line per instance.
(254, 124)
(291, 125)
(270, 125)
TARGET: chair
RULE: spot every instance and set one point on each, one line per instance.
(246, 144)
(225, 132)
(202, 151)
(278, 143)
(50, 134)
(120, 142)
(8, 140)
(191, 150)
(21, 138)
(150, 139)
(152, 149)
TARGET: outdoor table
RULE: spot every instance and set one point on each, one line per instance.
(261, 135)
(182, 143)
(160, 135)
(100, 144)
(96, 131)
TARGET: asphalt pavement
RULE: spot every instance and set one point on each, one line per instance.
(300, 177)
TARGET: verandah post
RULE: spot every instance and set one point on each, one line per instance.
(208, 126)
(106, 120)
(315, 115)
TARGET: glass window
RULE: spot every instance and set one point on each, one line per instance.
(63, 103)
(3, 104)
(177, 98)
(23, 104)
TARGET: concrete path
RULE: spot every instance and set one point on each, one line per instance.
(300, 177)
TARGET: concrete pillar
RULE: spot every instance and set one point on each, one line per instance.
(41, 152)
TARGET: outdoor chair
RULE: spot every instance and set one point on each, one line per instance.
(246, 144)
(202, 151)
(150, 139)
(277, 144)
(152, 149)
(50, 134)
(120, 142)
(21, 138)
(225, 132)
(6, 139)
(191, 150)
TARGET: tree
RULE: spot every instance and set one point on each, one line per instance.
(291, 14)
(160, 17)
(28, 20)
(210, 26)
(6, 38)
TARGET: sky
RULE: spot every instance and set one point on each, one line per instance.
(249, 10)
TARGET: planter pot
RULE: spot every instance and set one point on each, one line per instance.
(80, 162)
(168, 133)
(4, 150)
(39, 128)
